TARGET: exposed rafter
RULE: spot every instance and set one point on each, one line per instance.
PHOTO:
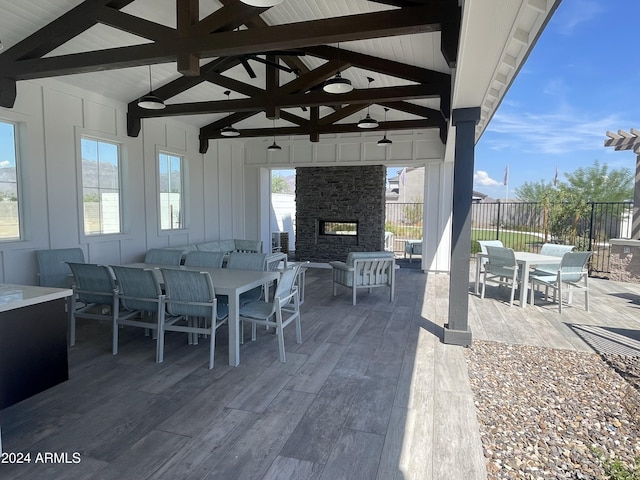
(235, 33)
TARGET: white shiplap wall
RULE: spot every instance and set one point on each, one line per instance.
(52, 116)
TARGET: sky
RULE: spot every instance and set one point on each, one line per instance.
(580, 81)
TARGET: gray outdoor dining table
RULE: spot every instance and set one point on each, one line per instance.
(525, 261)
(230, 282)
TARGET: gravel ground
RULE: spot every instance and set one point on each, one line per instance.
(544, 413)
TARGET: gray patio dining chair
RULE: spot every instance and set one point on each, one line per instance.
(483, 249)
(53, 270)
(203, 258)
(503, 269)
(163, 256)
(94, 296)
(571, 275)
(192, 308)
(247, 261)
(142, 301)
(282, 311)
(553, 250)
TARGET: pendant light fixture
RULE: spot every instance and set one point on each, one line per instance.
(368, 122)
(261, 3)
(274, 146)
(229, 131)
(338, 84)
(384, 141)
(150, 101)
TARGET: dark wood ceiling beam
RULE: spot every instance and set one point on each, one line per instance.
(294, 35)
(272, 83)
(341, 113)
(235, 85)
(450, 35)
(414, 109)
(61, 30)
(131, 24)
(187, 15)
(233, 14)
(324, 129)
(292, 118)
(312, 99)
(381, 65)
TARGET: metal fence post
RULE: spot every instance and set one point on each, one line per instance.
(591, 224)
(498, 222)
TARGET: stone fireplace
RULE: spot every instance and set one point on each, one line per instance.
(339, 210)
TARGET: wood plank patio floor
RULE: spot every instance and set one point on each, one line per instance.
(371, 393)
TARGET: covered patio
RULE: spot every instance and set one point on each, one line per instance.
(372, 393)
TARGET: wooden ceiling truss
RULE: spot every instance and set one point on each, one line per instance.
(236, 33)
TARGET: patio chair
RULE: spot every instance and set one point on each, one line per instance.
(247, 261)
(53, 270)
(502, 268)
(284, 309)
(365, 270)
(203, 258)
(572, 271)
(192, 308)
(412, 247)
(95, 288)
(141, 298)
(163, 256)
(553, 250)
(483, 249)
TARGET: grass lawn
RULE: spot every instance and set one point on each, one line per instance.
(519, 241)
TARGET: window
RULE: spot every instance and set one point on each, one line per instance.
(101, 186)
(9, 204)
(170, 186)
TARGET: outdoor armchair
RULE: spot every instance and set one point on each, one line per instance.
(365, 270)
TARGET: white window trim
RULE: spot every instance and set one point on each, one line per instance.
(19, 133)
(185, 190)
(81, 133)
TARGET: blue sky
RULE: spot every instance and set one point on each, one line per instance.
(580, 80)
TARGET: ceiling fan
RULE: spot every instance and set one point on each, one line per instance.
(257, 57)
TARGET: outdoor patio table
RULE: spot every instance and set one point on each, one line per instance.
(230, 282)
(525, 261)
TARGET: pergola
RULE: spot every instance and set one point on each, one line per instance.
(629, 141)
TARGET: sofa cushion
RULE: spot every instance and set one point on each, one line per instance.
(252, 246)
(210, 247)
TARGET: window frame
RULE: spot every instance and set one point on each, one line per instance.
(82, 134)
(17, 151)
(184, 211)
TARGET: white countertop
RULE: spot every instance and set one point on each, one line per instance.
(18, 296)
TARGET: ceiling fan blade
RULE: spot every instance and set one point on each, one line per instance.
(269, 62)
(248, 68)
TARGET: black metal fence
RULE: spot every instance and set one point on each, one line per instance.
(525, 226)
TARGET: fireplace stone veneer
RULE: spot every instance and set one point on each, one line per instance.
(350, 196)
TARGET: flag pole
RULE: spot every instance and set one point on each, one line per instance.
(506, 183)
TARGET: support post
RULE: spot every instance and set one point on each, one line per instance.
(635, 225)
(457, 331)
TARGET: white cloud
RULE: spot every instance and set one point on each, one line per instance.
(5, 163)
(575, 14)
(551, 133)
(482, 178)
